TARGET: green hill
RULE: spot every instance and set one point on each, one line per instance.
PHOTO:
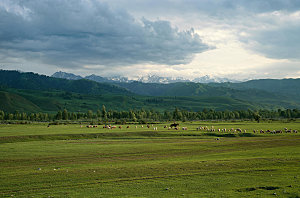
(258, 97)
(285, 87)
(52, 101)
(11, 102)
(192, 89)
(29, 80)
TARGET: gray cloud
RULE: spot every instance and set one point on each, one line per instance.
(270, 35)
(277, 70)
(73, 33)
(277, 43)
(221, 8)
(276, 35)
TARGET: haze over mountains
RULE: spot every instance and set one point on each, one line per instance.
(32, 92)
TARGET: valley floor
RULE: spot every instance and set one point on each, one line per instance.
(70, 161)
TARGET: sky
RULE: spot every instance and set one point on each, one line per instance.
(237, 39)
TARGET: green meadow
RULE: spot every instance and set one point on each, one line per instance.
(73, 161)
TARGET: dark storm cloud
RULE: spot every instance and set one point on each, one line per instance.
(86, 32)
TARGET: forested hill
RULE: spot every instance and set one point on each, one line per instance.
(285, 87)
(255, 96)
(263, 87)
(29, 80)
(207, 90)
(191, 89)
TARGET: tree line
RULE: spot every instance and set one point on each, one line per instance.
(152, 115)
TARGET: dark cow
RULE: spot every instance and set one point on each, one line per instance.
(174, 125)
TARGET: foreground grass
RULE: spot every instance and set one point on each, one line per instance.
(69, 161)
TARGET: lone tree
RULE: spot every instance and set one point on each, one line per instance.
(177, 115)
(90, 114)
(58, 115)
(2, 114)
(65, 115)
(104, 113)
(132, 116)
(256, 117)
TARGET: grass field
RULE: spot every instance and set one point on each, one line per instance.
(69, 161)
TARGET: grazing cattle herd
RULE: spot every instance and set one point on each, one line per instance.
(175, 126)
(238, 130)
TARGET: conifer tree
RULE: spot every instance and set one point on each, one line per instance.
(65, 115)
(104, 113)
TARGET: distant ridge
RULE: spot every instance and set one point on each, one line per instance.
(98, 79)
(209, 79)
(65, 75)
(284, 87)
(143, 79)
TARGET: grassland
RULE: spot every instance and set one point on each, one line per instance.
(70, 161)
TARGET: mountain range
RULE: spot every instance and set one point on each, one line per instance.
(167, 86)
(32, 92)
(143, 79)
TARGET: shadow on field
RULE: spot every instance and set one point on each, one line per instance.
(123, 135)
(231, 135)
(256, 188)
(247, 135)
(26, 138)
